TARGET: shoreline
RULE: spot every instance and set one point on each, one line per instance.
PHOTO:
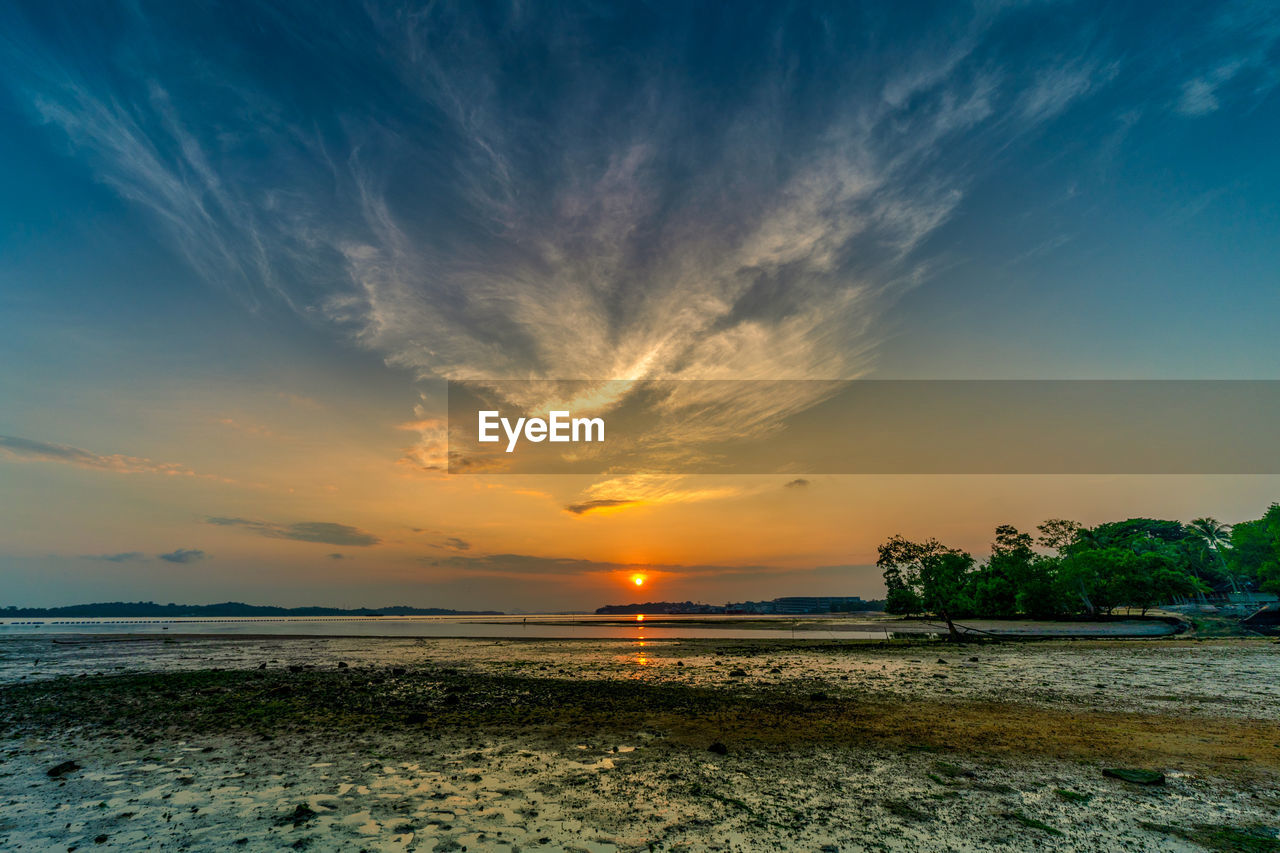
(1153, 626)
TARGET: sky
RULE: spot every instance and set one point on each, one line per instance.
(243, 247)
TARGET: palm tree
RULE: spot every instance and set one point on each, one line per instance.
(1090, 537)
(1215, 536)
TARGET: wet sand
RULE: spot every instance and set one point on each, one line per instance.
(266, 743)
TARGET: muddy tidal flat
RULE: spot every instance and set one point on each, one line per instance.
(269, 743)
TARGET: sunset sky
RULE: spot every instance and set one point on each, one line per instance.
(241, 250)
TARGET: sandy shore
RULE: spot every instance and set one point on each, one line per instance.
(267, 743)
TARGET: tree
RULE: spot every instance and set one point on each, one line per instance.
(1212, 532)
(1117, 575)
(937, 576)
(1255, 550)
(1057, 533)
(1139, 533)
(1152, 578)
(902, 602)
(996, 583)
(1211, 537)
(1095, 568)
(1039, 595)
(1090, 573)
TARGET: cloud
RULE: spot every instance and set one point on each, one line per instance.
(618, 225)
(124, 557)
(447, 543)
(517, 564)
(508, 564)
(41, 451)
(583, 212)
(798, 483)
(1062, 83)
(1199, 95)
(183, 555)
(523, 565)
(336, 556)
(246, 427)
(431, 451)
(325, 532)
(1241, 45)
(636, 490)
(600, 503)
(1197, 98)
(299, 401)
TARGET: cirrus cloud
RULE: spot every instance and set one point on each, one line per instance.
(325, 532)
(28, 449)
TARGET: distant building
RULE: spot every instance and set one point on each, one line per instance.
(670, 608)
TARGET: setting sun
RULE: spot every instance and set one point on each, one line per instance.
(638, 580)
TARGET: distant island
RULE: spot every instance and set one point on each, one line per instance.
(151, 610)
(797, 605)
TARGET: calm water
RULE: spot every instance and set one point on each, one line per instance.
(545, 627)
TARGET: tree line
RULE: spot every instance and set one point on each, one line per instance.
(1068, 569)
(226, 609)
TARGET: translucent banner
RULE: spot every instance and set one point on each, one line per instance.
(864, 427)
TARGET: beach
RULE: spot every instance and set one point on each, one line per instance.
(315, 743)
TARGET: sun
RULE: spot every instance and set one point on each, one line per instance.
(638, 580)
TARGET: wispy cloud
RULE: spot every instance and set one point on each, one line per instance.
(679, 237)
(123, 557)
(1241, 45)
(1200, 95)
(522, 565)
(466, 218)
(1059, 85)
(637, 490)
(246, 427)
(183, 555)
(326, 532)
(445, 543)
(518, 564)
(27, 449)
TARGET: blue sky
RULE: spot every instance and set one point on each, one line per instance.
(218, 222)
